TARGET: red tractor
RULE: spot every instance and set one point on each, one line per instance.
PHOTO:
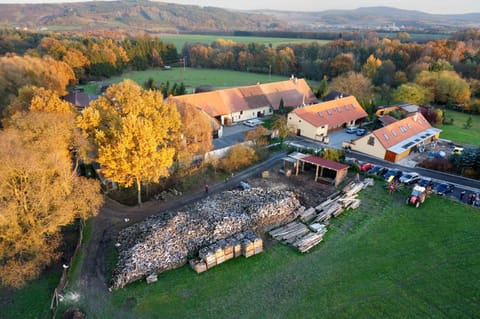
(417, 196)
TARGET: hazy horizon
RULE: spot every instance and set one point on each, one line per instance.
(436, 7)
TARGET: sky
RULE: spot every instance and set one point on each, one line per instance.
(430, 6)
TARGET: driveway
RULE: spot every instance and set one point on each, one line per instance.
(231, 135)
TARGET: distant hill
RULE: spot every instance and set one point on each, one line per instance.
(132, 15)
(140, 15)
(377, 17)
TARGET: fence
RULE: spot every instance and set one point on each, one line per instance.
(64, 278)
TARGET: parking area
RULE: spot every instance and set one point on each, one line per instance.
(231, 135)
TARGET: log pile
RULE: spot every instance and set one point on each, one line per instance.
(164, 242)
(308, 231)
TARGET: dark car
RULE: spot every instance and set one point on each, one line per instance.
(392, 172)
(443, 188)
(361, 132)
(374, 170)
(382, 171)
(424, 182)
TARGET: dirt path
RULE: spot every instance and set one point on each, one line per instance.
(112, 218)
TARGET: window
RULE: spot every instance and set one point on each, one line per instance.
(403, 129)
(386, 136)
(409, 125)
(320, 114)
(329, 112)
(394, 133)
(346, 107)
(371, 140)
(241, 112)
(299, 121)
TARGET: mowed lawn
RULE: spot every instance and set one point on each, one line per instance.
(179, 40)
(383, 260)
(192, 78)
(457, 132)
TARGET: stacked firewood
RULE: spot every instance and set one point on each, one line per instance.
(164, 242)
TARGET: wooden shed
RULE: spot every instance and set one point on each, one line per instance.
(324, 169)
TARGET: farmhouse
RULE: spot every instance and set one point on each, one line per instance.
(316, 121)
(244, 103)
(398, 139)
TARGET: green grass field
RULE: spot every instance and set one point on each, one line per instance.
(384, 259)
(218, 79)
(457, 132)
(180, 39)
(30, 302)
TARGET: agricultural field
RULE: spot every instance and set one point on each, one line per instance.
(385, 259)
(180, 39)
(217, 79)
(457, 133)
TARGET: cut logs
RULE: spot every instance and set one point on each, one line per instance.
(164, 242)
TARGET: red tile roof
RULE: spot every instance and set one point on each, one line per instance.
(324, 162)
(333, 113)
(294, 92)
(387, 119)
(398, 131)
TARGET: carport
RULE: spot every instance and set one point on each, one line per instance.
(322, 166)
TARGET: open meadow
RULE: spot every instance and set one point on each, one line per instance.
(192, 78)
(385, 259)
(456, 131)
(180, 39)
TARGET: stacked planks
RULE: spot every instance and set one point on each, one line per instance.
(308, 231)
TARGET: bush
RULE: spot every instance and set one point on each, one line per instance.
(238, 156)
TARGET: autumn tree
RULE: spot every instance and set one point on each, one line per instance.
(258, 136)
(279, 125)
(354, 84)
(195, 138)
(46, 72)
(371, 66)
(409, 93)
(40, 189)
(134, 131)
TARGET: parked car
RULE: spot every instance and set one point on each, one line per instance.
(392, 172)
(351, 129)
(365, 166)
(443, 188)
(409, 178)
(374, 170)
(382, 171)
(361, 132)
(425, 182)
(252, 123)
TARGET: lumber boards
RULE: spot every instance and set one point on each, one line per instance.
(309, 229)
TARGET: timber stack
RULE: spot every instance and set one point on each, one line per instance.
(164, 242)
(308, 231)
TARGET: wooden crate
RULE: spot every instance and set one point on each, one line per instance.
(211, 264)
(237, 250)
(220, 259)
(198, 265)
(229, 256)
(258, 250)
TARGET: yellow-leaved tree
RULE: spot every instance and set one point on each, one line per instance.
(134, 131)
(196, 136)
(40, 190)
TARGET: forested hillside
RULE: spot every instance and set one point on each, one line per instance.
(132, 16)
